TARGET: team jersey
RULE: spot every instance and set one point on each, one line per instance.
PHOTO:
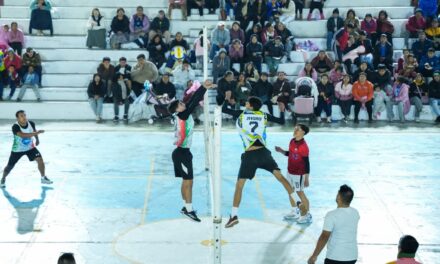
(23, 144)
(251, 126)
(184, 131)
(298, 157)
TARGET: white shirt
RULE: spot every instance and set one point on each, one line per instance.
(343, 224)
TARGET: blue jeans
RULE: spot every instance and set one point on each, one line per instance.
(434, 103)
(272, 64)
(96, 106)
(329, 40)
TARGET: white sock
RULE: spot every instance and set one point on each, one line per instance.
(189, 207)
(184, 202)
(234, 211)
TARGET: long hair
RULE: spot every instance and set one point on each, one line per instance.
(201, 38)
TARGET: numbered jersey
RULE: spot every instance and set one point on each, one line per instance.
(252, 127)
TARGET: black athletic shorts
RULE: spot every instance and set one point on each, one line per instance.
(329, 261)
(256, 159)
(182, 160)
(32, 154)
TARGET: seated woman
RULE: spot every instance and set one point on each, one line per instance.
(139, 27)
(96, 32)
(96, 92)
(343, 92)
(41, 18)
(16, 38)
(242, 91)
(322, 62)
(157, 49)
(236, 53)
(4, 38)
(120, 29)
(309, 71)
(399, 97)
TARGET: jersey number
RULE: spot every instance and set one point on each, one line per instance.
(254, 126)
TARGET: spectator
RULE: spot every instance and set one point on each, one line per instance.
(220, 39)
(335, 74)
(322, 62)
(363, 97)
(363, 67)
(242, 13)
(198, 4)
(434, 95)
(96, 30)
(429, 63)
(139, 26)
(429, 7)
(66, 258)
(120, 29)
(121, 95)
(299, 6)
(242, 91)
(255, 30)
(13, 59)
(4, 38)
(340, 231)
(433, 33)
(16, 38)
(30, 80)
(421, 46)
(399, 97)
(268, 33)
(251, 73)
(334, 23)
(414, 24)
(351, 53)
(263, 89)
(12, 79)
(351, 18)
(124, 69)
(343, 92)
(96, 92)
(198, 49)
(383, 53)
(384, 26)
(380, 102)
(32, 58)
(382, 78)
(177, 4)
(286, 38)
(166, 88)
(287, 11)
(212, 5)
(225, 88)
(407, 250)
(309, 71)
(325, 98)
(340, 40)
(281, 93)
(409, 68)
(157, 49)
(41, 18)
(237, 33)
(220, 64)
(2, 74)
(236, 53)
(160, 26)
(369, 26)
(141, 72)
(107, 73)
(254, 52)
(274, 52)
(257, 12)
(182, 74)
(367, 55)
(273, 10)
(316, 4)
(418, 90)
(403, 59)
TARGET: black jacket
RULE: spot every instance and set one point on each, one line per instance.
(126, 73)
(165, 88)
(253, 10)
(381, 80)
(153, 52)
(434, 89)
(327, 89)
(254, 48)
(262, 90)
(96, 89)
(331, 24)
(120, 25)
(161, 25)
(413, 91)
(273, 50)
(224, 86)
(182, 43)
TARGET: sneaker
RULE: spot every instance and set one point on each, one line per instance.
(305, 219)
(18, 100)
(318, 119)
(294, 214)
(329, 120)
(183, 210)
(39, 100)
(356, 121)
(45, 180)
(116, 119)
(232, 222)
(192, 215)
(3, 183)
(125, 118)
(417, 119)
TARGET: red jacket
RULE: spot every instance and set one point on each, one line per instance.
(361, 90)
(413, 25)
(16, 62)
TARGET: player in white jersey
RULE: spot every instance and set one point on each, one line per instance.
(251, 124)
(24, 131)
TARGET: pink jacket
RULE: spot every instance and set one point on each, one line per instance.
(17, 36)
(314, 76)
(343, 93)
(402, 97)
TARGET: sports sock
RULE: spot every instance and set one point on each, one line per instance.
(184, 202)
(234, 211)
(189, 207)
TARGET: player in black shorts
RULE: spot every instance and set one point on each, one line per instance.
(24, 131)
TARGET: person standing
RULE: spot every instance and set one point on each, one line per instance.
(339, 232)
(24, 133)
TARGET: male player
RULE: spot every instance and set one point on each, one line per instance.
(24, 131)
(251, 124)
(298, 170)
(182, 157)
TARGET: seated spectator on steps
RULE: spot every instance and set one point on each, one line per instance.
(220, 39)
(41, 18)
(380, 101)
(322, 62)
(382, 78)
(107, 73)
(182, 74)
(142, 71)
(4, 38)
(414, 24)
(96, 30)
(335, 74)
(274, 52)
(282, 92)
(236, 54)
(363, 97)
(161, 26)
(30, 80)
(177, 4)
(32, 58)
(418, 90)
(179, 49)
(384, 26)
(16, 38)
(251, 73)
(242, 91)
(421, 46)
(287, 11)
(255, 30)
(429, 63)
(434, 95)
(343, 92)
(263, 89)
(269, 33)
(225, 88)
(12, 79)
(369, 26)
(363, 67)
(352, 19)
(316, 4)
(273, 10)
(334, 23)
(157, 49)
(254, 52)
(96, 92)
(433, 33)
(309, 71)
(237, 33)
(286, 38)
(220, 64)
(407, 250)
(212, 5)
(369, 50)
(340, 40)
(124, 69)
(195, 4)
(383, 53)
(399, 97)
(351, 53)
(165, 88)
(139, 27)
(13, 59)
(325, 98)
(120, 29)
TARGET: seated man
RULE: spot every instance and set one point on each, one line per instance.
(274, 52)
(429, 63)
(160, 26)
(32, 58)
(30, 80)
(165, 88)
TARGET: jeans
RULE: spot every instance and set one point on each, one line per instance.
(96, 105)
(434, 103)
(272, 64)
(116, 104)
(12, 84)
(329, 40)
(417, 102)
(23, 91)
(390, 112)
(290, 43)
(357, 109)
(323, 105)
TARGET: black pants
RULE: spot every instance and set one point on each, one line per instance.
(192, 4)
(357, 109)
(346, 107)
(17, 47)
(316, 5)
(299, 6)
(329, 261)
(137, 88)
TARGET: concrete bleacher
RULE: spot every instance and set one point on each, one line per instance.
(68, 65)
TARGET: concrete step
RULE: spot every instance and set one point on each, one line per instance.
(53, 94)
(88, 3)
(94, 55)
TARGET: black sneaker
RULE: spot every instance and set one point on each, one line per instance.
(356, 121)
(232, 222)
(116, 119)
(125, 118)
(183, 210)
(437, 120)
(192, 215)
(370, 121)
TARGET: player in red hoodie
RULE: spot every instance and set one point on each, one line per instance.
(298, 170)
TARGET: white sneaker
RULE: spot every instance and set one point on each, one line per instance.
(45, 180)
(417, 120)
(318, 119)
(305, 219)
(294, 214)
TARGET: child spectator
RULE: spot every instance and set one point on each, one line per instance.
(334, 23)
(120, 29)
(32, 58)
(96, 30)
(316, 4)
(400, 98)
(30, 80)
(335, 74)
(41, 18)
(13, 59)
(96, 92)
(139, 26)
(16, 38)
(379, 103)
(325, 98)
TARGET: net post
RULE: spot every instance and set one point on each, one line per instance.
(217, 182)
(206, 118)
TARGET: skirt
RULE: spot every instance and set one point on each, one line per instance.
(96, 38)
(117, 39)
